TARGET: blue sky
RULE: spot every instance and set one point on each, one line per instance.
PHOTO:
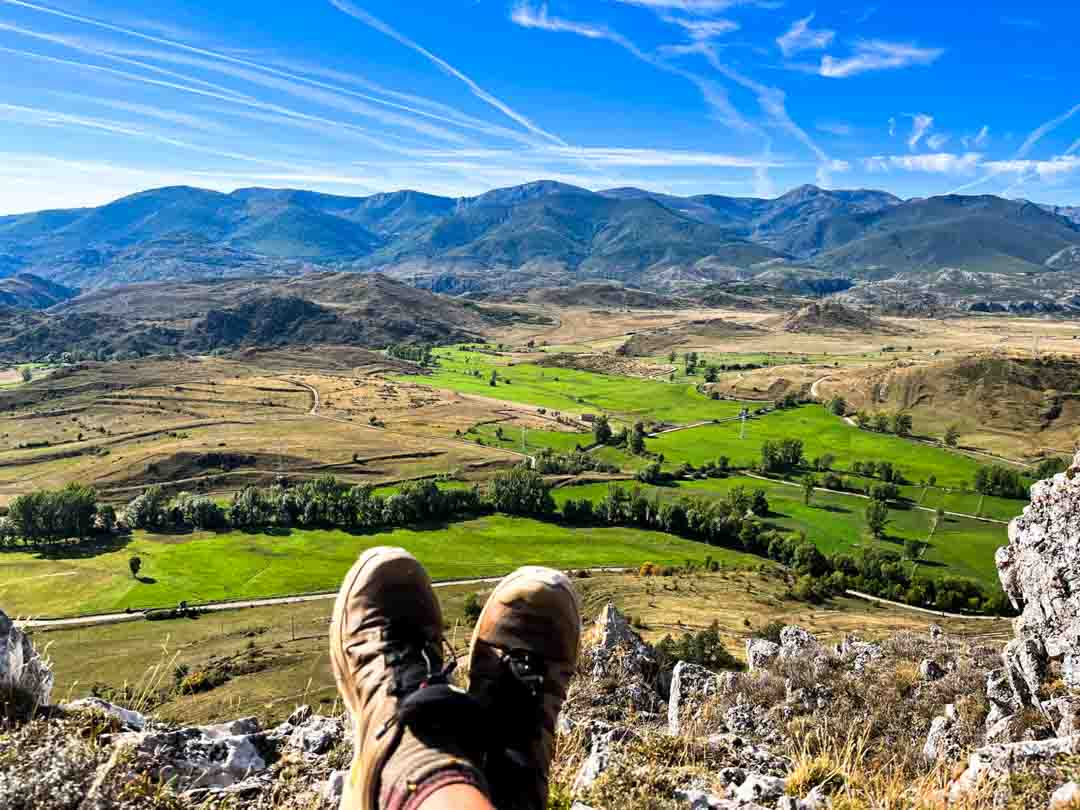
(736, 97)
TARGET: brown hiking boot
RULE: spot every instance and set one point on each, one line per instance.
(524, 652)
(413, 733)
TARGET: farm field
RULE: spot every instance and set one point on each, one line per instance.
(835, 523)
(572, 391)
(821, 434)
(202, 567)
(281, 651)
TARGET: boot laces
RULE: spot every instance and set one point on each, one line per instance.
(414, 665)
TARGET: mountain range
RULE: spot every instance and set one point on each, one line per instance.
(539, 230)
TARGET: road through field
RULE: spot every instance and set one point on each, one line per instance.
(213, 607)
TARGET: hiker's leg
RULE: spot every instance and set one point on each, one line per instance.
(413, 735)
(524, 653)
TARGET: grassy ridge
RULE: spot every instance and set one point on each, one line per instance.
(574, 392)
(836, 523)
(821, 433)
(237, 565)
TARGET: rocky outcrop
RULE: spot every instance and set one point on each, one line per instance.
(26, 681)
(691, 689)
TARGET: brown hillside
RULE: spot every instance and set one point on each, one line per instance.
(832, 316)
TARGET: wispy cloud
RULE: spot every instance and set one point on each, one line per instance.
(702, 30)
(1022, 22)
(801, 37)
(876, 54)
(920, 125)
(691, 6)
(835, 128)
(1045, 129)
(374, 22)
(978, 140)
(938, 141)
(941, 163)
(892, 127)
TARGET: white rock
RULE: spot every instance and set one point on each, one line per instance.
(202, 756)
(759, 788)
(931, 670)
(941, 743)
(994, 761)
(691, 686)
(128, 718)
(798, 643)
(760, 653)
(22, 671)
(334, 787)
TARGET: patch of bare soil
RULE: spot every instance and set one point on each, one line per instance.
(605, 364)
(832, 316)
(663, 340)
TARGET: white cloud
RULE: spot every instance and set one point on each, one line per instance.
(1045, 129)
(941, 163)
(876, 54)
(1043, 169)
(801, 37)
(892, 127)
(937, 142)
(702, 30)
(920, 125)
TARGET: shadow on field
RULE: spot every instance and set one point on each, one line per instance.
(84, 550)
(831, 507)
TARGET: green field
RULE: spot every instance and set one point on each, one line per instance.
(821, 433)
(237, 565)
(961, 547)
(573, 392)
(535, 440)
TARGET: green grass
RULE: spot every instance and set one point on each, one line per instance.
(821, 433)
(236, 565)
(573, 392)
(836, 523)
(535, 440)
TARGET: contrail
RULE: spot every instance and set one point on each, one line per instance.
(374, 22)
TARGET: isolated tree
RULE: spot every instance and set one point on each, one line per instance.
(494, 378)
(810, 484)
(712, 374)
(881, 423)
(902, 424)
(26, 374)
(877, 518)
(602, 430)
(637, 439)
(135, 564)
(952, 436)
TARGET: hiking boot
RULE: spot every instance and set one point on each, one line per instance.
(413, 733)
(524, 652)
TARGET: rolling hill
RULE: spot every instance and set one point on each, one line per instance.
(27, 291)
(319, 308)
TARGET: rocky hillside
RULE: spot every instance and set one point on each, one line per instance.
(341, 309)
(833, 316)
(27, 291)
(914, 721)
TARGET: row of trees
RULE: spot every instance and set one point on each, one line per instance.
(413, 352)
(53, 516)
(899, 423)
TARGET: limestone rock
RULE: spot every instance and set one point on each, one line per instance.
(997, 761)
(859, 654)
(759, 788)
(936, 633)
(798, 643)
(24, 674)
(760, 653)
(1040, 572)
(130, 720)
(604, 739)
(202, 756)
(334, 788)
(691, 687)
(941, 743)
